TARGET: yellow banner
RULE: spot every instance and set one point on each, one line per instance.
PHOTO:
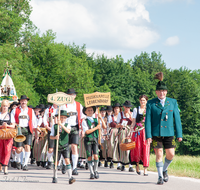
(97, 98)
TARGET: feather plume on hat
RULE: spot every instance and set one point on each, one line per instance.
(159, 76)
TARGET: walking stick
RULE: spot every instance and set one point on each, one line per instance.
(56, 157)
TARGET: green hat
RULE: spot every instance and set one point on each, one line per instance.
(160, 85)
(63, 112)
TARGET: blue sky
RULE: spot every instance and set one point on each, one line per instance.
(127, 28)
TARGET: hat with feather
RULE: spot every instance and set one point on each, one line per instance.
(160, 85)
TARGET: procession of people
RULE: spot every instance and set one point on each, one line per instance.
(88, 137)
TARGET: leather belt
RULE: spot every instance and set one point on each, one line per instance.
(23, 117)
(72, 113)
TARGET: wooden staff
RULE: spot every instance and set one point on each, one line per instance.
(99, 129)
(56, 157)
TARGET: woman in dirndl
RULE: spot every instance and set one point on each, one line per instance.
(113, 143)
(141, 153)
(5, 144)
(125, 121)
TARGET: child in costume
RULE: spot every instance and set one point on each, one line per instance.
(63, 145)
(91, 129)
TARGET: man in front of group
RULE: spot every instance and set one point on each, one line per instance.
(162, 117)
(26, 119)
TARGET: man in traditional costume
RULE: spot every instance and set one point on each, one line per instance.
(162, 117)
(26, 119)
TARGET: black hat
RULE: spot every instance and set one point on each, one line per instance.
(127, 103)
(41, 106)
(47, 106)
(103, 109)
(94, 109)
(14, 103)
(23, 97)
(64, 113)
(117, 105)
(71, 91)
(160, 85)
(109, 108)
(30, 106)
(37, 107)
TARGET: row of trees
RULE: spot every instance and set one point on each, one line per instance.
(40, 66)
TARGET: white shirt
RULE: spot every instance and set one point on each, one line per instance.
(134, 115)
(24, 122)
(46, 115)
(60, 128)
(73, 120)
(84, 124)
(119, 117)
(162, 101)
(7, 117)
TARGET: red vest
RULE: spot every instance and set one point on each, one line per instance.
(78, 109)
(18, 111)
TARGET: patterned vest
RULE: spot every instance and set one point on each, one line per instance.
(95, 133)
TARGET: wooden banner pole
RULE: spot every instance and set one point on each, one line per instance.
(56, 157)
(99, 129)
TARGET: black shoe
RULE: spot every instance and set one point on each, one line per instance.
(38, 164)
(131, 169)
(58, 168)
(138, 172)
(49, 165)
(72, 180)
(145, 174)
(96, 175)
(105, 164)
(99, 164)
(123, 168)
(119, 168)
(86, 166)
(111, 165)
(11, 164)
(160, 181)
(54, 180)
(25, 168)
(165, 176)
(74, 172)
(64, 169)
(18, 165)
(82, 166)
(43, 164)
(33, 161)
(91, 176)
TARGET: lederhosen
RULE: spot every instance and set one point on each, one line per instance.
(63, 143)
(50, 141)
(91, 140)
(26, 131)
(5, 145)
(74, 134)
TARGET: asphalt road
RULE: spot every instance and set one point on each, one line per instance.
(111, 179)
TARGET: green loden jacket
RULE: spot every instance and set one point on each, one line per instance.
(161, 121)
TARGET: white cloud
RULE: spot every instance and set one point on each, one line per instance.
(172, 41)
(103, 25)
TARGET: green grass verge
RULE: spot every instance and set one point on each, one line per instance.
(182, 166)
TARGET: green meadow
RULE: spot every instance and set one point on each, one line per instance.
(182, 166)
